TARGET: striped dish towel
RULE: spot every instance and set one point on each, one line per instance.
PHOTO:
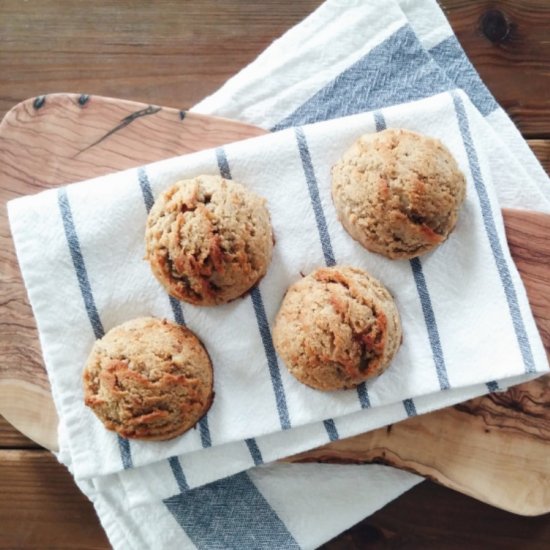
(142, 491)
(454, 303)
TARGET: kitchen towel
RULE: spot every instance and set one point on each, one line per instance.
(454, 303)
(110, 498)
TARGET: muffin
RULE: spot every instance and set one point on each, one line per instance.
(398, 193)
(208, 240)
(148, 379)
(336, 328)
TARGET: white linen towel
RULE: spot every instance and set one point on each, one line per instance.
(454, 303)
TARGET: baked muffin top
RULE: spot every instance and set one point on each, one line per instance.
(398, 192)
(336, 328)
(208, 240)
(148, 379)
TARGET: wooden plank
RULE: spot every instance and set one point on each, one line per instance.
(541, 148)
(41, 507)
(184, 51)
(10, 438)
(507, 42)
(174, 54)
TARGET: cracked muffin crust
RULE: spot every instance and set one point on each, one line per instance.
(398, 192)
(336, 328)
(208, 240)
(148, 379)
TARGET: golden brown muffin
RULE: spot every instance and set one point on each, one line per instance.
(336, 328)
(148, 379)
(398, 193)
(208, 240)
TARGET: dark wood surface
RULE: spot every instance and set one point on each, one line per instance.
(427, 517)
(507, 41)
(174, 53)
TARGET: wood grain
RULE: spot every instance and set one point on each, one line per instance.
(42, 508)
(541, 148)
(10, 438)
(175, 53)
(532, 260)
(507, 42)
(168, 52)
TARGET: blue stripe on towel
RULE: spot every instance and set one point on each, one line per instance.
(379, 121)
(177, 310)
(87, 295)
(206, 441)
(492, 386)
(272, 363)
(315, 198)
(145, 186)
(223, 165)
(149, 200)
(410, 407)
(451, 58)
(263, 325)
(230, 513)
(363, 394)
(330, 427)
(78, 262)
(431, 325)
(492, 235)
(125, 452)
(177, 470)
(255, 452)
(322, 229)
(396, 71)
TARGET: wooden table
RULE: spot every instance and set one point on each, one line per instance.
(174, 53)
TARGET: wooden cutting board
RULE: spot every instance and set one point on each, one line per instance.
(494, 448)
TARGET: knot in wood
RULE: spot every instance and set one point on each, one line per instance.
(495, 26)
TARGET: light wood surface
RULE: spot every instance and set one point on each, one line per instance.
(10, 438)
(67, 138)
(175, 52)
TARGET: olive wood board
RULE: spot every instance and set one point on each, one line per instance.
(493, 448)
